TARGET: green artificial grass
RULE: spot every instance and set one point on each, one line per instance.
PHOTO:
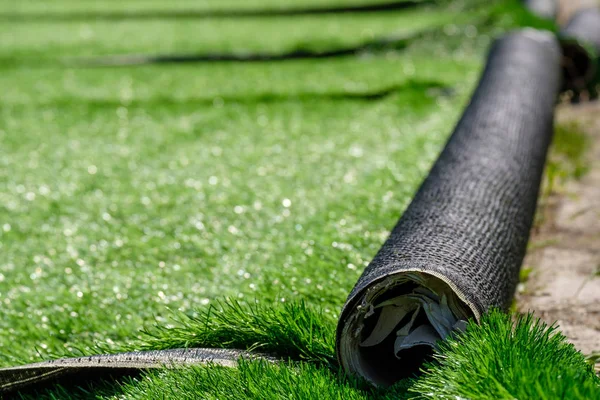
(133, 194)
(502, 359)
(289, 330)
(214, 86)
(45, 39)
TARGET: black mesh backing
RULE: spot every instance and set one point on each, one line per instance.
(470, 220)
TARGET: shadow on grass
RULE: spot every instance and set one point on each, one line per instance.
(398, 42)
(433, 89)
(81, 386)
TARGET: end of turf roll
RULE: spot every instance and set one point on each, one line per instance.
(580, 42)
(457, 250)
(397, 324)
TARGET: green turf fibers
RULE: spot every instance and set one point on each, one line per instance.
(138, 198)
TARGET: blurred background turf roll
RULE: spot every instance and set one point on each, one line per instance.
(580, 40)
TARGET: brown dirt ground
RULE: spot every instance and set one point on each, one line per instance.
(564, 286)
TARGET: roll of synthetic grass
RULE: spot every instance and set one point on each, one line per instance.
(543, 8)
(580, 40)
(457, 250)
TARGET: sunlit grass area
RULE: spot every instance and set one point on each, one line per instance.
(97, 37)
(113, 213)
(132, 195)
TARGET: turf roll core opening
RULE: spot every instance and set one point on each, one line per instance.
(397, 324)
(457, 250)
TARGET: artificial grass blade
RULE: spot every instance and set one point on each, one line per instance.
(288, 330)
(506, 359)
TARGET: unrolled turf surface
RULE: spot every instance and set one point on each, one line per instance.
(129, 194)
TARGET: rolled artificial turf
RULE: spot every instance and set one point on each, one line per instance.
(456, 251)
